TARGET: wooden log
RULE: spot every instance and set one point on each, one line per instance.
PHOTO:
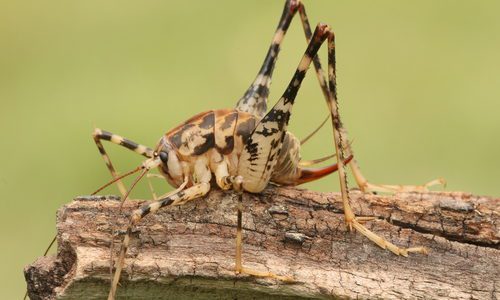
(187, 252)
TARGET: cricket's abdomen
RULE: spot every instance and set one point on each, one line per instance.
(224, 130)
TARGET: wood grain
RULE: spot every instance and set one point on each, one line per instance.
(188, 252)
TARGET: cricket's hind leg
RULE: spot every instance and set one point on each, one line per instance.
(262, 148)
(254, 100)
(350, 218)
(366, 186)
(361, 181)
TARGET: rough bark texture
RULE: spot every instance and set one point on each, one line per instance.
(187, 252)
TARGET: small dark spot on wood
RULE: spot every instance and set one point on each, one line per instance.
(278, 210)
(296, 237)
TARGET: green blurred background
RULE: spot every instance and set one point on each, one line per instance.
(419, 87)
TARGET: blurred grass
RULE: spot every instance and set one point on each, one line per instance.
(419, 85)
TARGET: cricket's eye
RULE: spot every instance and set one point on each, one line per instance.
(164, 157)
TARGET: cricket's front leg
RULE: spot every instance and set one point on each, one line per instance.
(100, 135)
(192, 193)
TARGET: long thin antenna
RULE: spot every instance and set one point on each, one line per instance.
(50, 245)
(132, 187)
(116, 179)
(304, 140)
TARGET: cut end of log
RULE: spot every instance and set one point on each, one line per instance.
(187, 252)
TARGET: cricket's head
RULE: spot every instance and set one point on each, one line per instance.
(169, 164)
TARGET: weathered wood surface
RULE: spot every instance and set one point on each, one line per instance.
(188, 252)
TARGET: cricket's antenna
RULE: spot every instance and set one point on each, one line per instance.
(116, 179)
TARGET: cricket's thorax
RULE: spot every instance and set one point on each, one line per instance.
(218, 135)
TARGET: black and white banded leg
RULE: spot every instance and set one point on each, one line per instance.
(361, 181)
(180, 197)
(99, 135)
(350, 218)
(254, 100)
(262, 147)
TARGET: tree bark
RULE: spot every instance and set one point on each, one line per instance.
(187, 252)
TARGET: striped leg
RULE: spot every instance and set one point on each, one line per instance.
(99, 135)
(254, 100)
(153, 193)
(363, 184)
(201, 188)
(350, 218)
(179, 198)
(262, 147)
(261, 150)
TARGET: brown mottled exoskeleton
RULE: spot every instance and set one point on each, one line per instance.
(248, 147)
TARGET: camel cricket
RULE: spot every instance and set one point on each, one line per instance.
(248, 147)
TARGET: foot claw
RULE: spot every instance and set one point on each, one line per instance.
(380, 241)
